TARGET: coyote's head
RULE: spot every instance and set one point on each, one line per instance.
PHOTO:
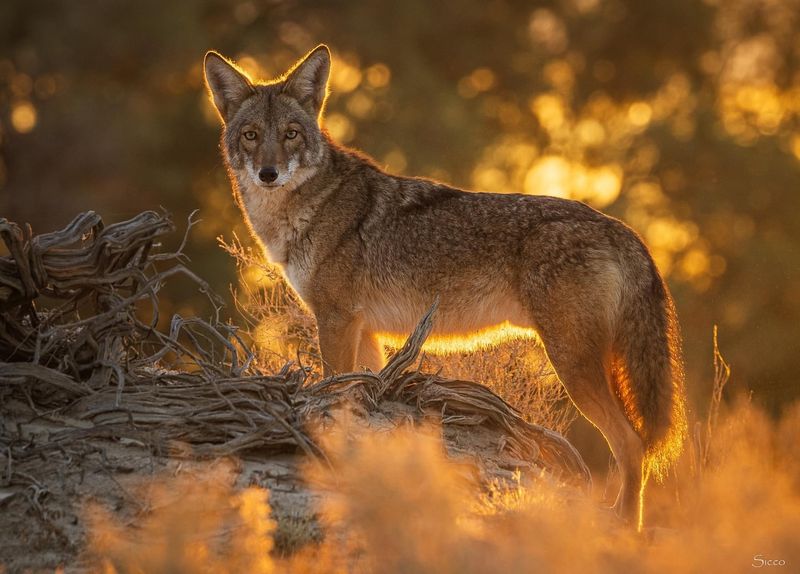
(272, 137)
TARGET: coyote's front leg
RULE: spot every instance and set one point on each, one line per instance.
(338, 341)
(370, 352)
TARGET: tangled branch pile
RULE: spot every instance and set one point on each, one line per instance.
(79, 344)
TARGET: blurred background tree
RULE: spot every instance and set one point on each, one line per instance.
(681, 117)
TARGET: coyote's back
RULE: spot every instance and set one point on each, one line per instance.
(368, 252)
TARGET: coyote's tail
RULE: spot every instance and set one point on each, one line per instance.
(648, 371)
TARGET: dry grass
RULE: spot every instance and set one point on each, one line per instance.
(519, 372)
(746, 503)
(276, 321)
(394, 503)
(193, 524)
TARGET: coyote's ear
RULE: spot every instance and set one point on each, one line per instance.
(228, 86)
(307, 82)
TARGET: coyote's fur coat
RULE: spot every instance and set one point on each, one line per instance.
(368, 252)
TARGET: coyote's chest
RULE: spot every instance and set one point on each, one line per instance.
(281, 246)
(294, 263)
(281, 236)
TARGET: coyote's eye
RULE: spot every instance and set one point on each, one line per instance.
(250, 135)
(291, 134)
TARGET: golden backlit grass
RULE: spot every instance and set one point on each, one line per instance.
(190, 524)
(393, 503)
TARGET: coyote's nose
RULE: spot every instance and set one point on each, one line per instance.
(268, 174)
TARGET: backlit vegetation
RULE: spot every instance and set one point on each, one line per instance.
(391, 502)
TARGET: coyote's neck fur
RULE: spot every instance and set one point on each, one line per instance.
(285, 219)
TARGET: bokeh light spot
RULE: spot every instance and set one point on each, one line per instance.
(395, 161)
(640, 113)
(23, 117)
(378, 75)
(549, 176)
(340, 127)
(345, 75)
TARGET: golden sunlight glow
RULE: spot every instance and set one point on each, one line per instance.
(375, 502)
(485, 338)
(270, 336)
(663, 260)
(575, 161)
(796, 145)
(550, 110)
(257, 277)
(23, 117)
(590, 132)
(639, 114)
(255, 542)
(194, 523)
(345, 75)
(662, 453)
(490, 179)
(750, 110)
(480, 80)
(251, 67)
(604, 185)
(378, 75)
(670, 234)
(676, 245)
(560, 75)
(395, 161)
(548, 30)
(504, 166)
(549, 176)
(360, 105)
(340, 127)
(556, 176)
(696, 263)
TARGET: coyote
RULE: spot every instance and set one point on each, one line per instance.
(368, 252)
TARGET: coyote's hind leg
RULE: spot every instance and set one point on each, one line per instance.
(581, 358)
